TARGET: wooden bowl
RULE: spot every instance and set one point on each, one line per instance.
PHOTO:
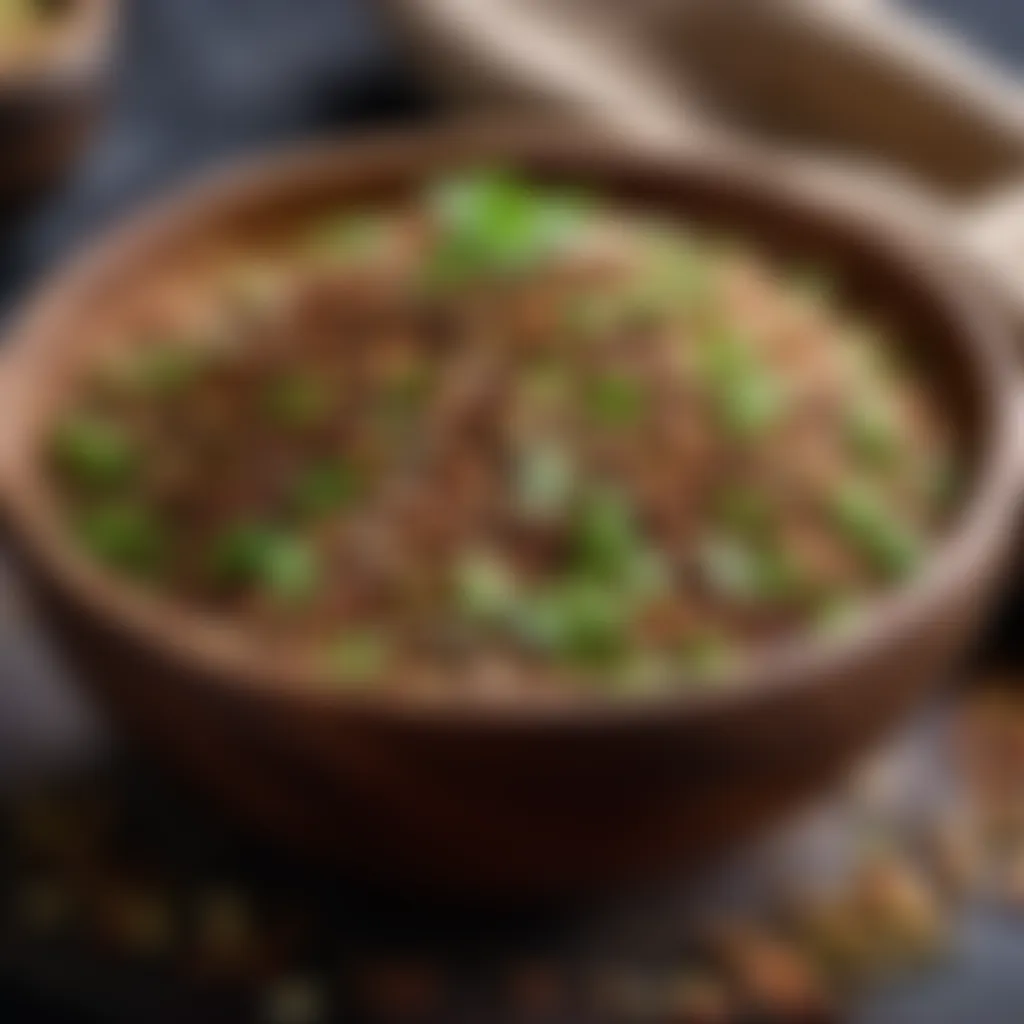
(523, 798)
(50, 98)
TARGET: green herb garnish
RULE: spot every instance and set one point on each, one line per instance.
(704, 654)
(748, 398)
(253, 555)
(95, 451)
(615, 400)
(493, 223)
(891, 546)
(126, 536)
(748, 570)
(872, 433)
(485, 588)
(323, 488)
(298, 400)
(580, 621)
(349, 237)
(358, 657)
(745, 512)
(545, 481)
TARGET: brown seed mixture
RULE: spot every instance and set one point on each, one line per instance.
(505, 440)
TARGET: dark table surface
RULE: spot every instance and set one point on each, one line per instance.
(202, 80)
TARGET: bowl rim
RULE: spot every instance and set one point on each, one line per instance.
(161, 628)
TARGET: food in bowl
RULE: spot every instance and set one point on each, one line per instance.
(502, 438)
(30, 30)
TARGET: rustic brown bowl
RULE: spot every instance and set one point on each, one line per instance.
(50, 103)
(520, 798)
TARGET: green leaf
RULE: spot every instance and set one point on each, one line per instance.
(746, 570)
(94, 450)
(605, 534)
(860, 513)
(749, 399)
(163, 368)
(872, 433)
(298, 400)
(351, 236)
(358, 657)
(730, 568)
(485, 587)
(491, 222)
(835, 613)
(704, 653)
(615, 400)
(545, 481)
(323, 488)
(580, 621)
(289, 570)
(744, 511)
(678, 272)
(126, 536)
(255, 555)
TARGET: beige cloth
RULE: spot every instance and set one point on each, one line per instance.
(842, 74)
(937, 127)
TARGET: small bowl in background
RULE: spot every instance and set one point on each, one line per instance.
(52, 88)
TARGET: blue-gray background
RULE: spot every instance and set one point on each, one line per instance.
(199, 80)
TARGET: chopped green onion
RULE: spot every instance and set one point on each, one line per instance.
(94, 450)
(254, 555)
(744, 571)
(545, 481)
(615, 400)
(730, 567)
(749, 399)
(835, 614)
(358, 658)
(579, 621)
(640, 672)
(704, 654)
(485, 587)
(943, 480)
(402, 394)
(744, 511)
(126, 536)
(592, 315)
(323, 488)
(348, 237)
(605, 534)
(298, 400)
(872, 433)
(491, 222)
(876, 531)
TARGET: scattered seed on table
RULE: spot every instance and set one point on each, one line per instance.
(897, 901)
(774, 976)
(294, 1000)
(955, 855)
(536, 990)
(700, 998)
(225, 937)
(136, 920)
(42, 905)
(399, 990)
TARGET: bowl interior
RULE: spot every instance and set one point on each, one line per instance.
(880, 270)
